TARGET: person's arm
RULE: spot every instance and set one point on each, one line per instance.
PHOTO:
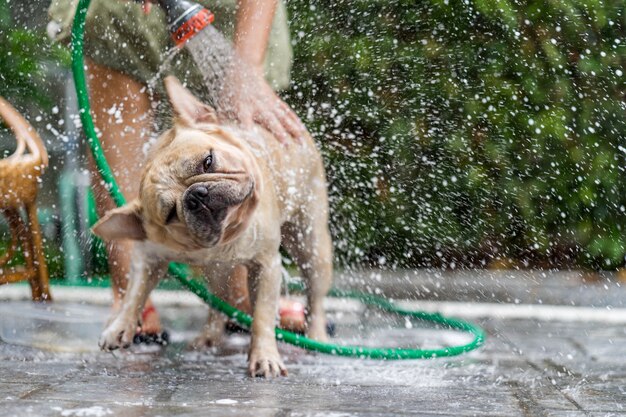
(261, 104)
(248, 98)
(252, 30)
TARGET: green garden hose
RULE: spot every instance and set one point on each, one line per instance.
(180, 273)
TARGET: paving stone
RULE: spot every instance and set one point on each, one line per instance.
(527, 368)
(177, 382)
(500, 286)
(600, 396)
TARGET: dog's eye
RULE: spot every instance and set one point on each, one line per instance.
(208, 163)
(173, 215)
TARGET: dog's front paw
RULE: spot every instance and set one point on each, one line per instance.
(266, 363)
(118, 334)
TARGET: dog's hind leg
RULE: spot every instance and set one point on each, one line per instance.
(310, 245)
(212, 333)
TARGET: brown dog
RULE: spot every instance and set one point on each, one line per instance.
(217, 197)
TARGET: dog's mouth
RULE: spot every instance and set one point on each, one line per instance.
(173, 215)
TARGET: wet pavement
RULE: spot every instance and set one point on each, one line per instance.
(528, 367)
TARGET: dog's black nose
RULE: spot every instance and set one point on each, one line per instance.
(200, 192)
(197, 197)
(192, 204)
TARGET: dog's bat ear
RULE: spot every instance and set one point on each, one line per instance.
(187, 108)
(121, 223)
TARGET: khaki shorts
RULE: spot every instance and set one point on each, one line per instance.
(118, 34)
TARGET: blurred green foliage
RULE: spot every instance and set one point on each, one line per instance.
(462, 132)
(23, 55)
(54, 256)
(455, 132)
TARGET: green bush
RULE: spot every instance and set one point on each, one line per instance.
(23, 55)
(459, 132)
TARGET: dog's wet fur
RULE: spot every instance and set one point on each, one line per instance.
(216, 197)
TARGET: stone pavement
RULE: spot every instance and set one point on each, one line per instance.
(528, 367)
(575, 288)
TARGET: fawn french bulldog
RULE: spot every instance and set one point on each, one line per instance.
(216, 196)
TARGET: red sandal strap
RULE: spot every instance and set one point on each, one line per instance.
(146, 312)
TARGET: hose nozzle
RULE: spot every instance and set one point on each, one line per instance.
(185, 19)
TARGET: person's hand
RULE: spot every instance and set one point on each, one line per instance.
(258, 103)
(247, 99)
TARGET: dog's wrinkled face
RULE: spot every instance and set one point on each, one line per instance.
(199, 190)
(199, 187)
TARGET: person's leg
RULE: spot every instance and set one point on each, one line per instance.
(121, 112)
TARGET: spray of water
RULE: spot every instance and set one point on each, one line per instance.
(225, 75)
(214, 56)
